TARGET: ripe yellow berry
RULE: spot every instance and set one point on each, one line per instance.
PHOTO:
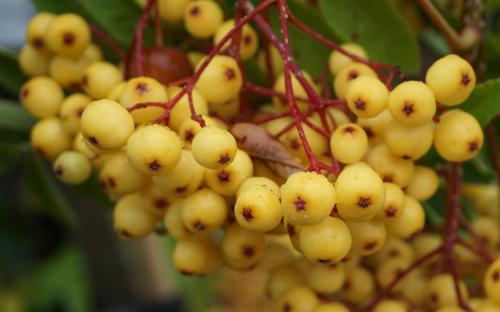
(307, 198)
(409, 142)
(317, 143)
(181, 110)
(411, 221)
(36, 31)
(298, 89)
(359, 285)
(41, 96)
(458, 136)
(196, 256)
(348, 143)
(32, 62)
(487, 229)
(49, 138)
(153, 149)
(118, 177)
(226, 181)
(327, 242)
(389, 167)
(157, 202)
(283, 278)
(367, 237)
(360, 193)
(243, 245)
(100, 78)
(277, 255)
(173, 220)
(425, 243)
(394, 203)
(189, 128)
(337, 61)
(249, 41)
(391, 306)
(388, 271)
(68, 34)
(441, 291)
(184, 178)
(214, 148)
(204, 211)
(202, 18)
(415, 286)
(106, 124)
(69, 71)
(299, 298)
(260, 181)
(131, 218)
(258, 209)
(395, 248)
(331, 307)
(221, 80)
(172, 10)
(116, 92)
(71, 111)
(450, 308)
(487, 306)
(366, 96)
(451, 79)
(72, 167)
(143, 90)
(375, 127)
(348, 74)
(423, 184)
(412, 103)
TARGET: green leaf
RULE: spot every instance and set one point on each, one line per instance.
(484, 101)
(11, 76)
(13, 117)
(58, 6)
(378, 27)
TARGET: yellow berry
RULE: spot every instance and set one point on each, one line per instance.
(258, 209)
(367, 237)
(71, 111)
(202, 18)
(348, 74)
(214, 148)
(412, 103)
(359, 285)
(326, 279)
(411, 221)
(260, 181)
(395, 248)
(300, 299)
(243, 245)
(389, 167)
(423, 184)
(157, 202)
(337, 61)
(394, 203)
(41, 96)
(100, 78)
(487, 229)
(181, 110)
(249, 41)
(118, 177)
(409, 142)
(36, 31)
(281, 279)
(143, 90)
(49, 138)
(331, 307)
(131, 218)
(441, 291)
(68, 34)
(32, 62)
(204, 211)
(196, 256)
(375, 127)
(391, 306)
(72, 167)
(172, 10)
(348, 143)
(173, 220)
(226, 181)
(366, 96)
(298, 89)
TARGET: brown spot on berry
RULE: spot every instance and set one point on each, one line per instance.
(407, 157)
(198, 226)
(59, 170)
(194, 11)
(473, 146)
(68, 38)
(184, 272)
(154, 166)
(290, 228)
(300, 204)
(347, 285)
(247, 39)
(141, 88)
(111, 182)
(465, 79)
(434, 297)
(370, 245)
(390, 212)
(79, 111)
(248, 251)
(364, 202)
(38, 42)
(360, 104)
(393, 253)
(408, 109)
(40, 151)
(323, 260)
(93, 140)
(85, 80)
(349, 129)
(160, 203)
(369, 132)
(25, 92)
(223, 176)
(230, 73)
(189, 136)
(287, 307)
(388, 178)
(294, 144)
(352, 75)
(495, 276)
(125, 233)
(247, 214)
(223, 159)
(180, 189)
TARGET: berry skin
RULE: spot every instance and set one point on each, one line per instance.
(172, 11)
(389, 167)
(180, 112)
(411, 221)
(487, 229)
(441, 291)
(299, 298)
(337, 61)
(258, 209)
(196, 256)
(202, 18)
(491, 282)
(118, 177)
(375, 127)
(100, 78)
(425, 243)
(348, 143)
(458, 136)
(317, 143)
(451, 79)
(41, 96)
(366, 96)
(106, 124)
(360, 193)
(132, 219)
(331, 307)
(259, 181)
(72, 167)
(394, 203)
(367, 237)
(36, 31)
(214, 148)
(450, 308)
(68, 34)
(143, 90)
(327, 242)
(157, 202)
(153, 149)
(184, 178)
(409, 142)
(388, 271)
(189, 128)
(391, 306)
(298, 89)
(221, 80)
(307, 198)
(173, 220)
(69, 71)
(241, 245)
(359, 285)
(32, 62)
(282, 279)
(395, 248)
(49, 138)
(204, 211)
(412, 103)
(227, 181)
(326, 279)
(71, 111)
(348, 74)
(277, 256)
(249, 41)
(423, 184)
(487, 306)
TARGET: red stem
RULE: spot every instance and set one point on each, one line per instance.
(139, 36)
(108, 41)
(482, 247)
(158, 28)
(485, 256)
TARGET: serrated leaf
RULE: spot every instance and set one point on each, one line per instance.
(14, 118)
(484, 101)
(378, 27)
(11, 76)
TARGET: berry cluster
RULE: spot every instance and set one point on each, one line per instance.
(337, 177)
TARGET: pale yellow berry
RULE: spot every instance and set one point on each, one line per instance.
(41, 96)
(36, 31)
(68, 34)
(409, 142)
(100, 78)
(214, 148)
(226, 181)
(32, 62)
(412, 103)
(337, 60)
(204, 211)
(71, 111)
(258, 209)
(367, 96)
(202, 18)
(348, 74)
(144, 90)
(181, 110)
(72, 167)
(423, 184)
(49, 138)
(249, 41)
(131, 218)
(409, 222)
(348, 143)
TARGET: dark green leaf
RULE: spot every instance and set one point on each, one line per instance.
(378, 27)
(484, 101)
(57, 6)
(13, 117)
(11, 77)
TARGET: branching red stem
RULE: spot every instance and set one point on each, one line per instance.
(108, 41)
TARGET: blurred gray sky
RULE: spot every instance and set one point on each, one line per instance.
(14, 16)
